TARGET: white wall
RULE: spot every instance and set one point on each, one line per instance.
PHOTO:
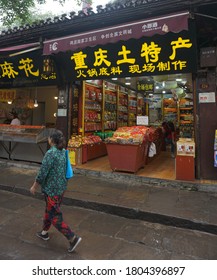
(46, 95)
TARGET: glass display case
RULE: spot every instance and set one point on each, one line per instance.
(22, 133)
(24, 142)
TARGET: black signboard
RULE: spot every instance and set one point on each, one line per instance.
(160, 54)
(145, 86)
(28, 69)
(168, 54)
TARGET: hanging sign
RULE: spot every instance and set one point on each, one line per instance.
(145, 86)
(142, 120)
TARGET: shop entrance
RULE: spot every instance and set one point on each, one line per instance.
(110, 109)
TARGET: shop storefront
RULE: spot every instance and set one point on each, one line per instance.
(133, 77)
(29, 88)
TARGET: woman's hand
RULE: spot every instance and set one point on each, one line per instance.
(34, 188)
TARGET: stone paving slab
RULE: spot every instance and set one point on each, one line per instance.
(168, 205)
(104, 236)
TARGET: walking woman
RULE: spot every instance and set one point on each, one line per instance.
(52, 179)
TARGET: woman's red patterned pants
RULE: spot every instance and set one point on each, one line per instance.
(53, 216)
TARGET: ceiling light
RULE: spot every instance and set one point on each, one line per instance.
(9, 102)
(36, 103)
(128, 83)
(56, 97)
(127, 78)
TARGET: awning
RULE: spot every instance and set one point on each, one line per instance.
(20, 47)
(149, 27)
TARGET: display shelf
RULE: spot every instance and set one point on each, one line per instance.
(155, 109)
(92, 106)
(91, 127)
(170, 110)
(110, 107)
(95, 83)
(140, 104)
(132, 108)
(74, 104)
(107, 106)
(186, 118)
(122, 110)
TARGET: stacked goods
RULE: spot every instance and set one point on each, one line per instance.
(92, 116)
(92, 139)
(92, 126)
(75, 142)
(75, 152)
(78, 141)
(129, 135)
(137, 135)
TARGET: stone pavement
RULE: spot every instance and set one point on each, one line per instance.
(126, 196)
(104, 236)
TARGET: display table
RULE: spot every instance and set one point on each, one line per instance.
(92, 151)
(28, 143)
(96, 150)
(127, 157)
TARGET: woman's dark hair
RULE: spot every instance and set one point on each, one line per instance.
(14, 114)
(58, 139)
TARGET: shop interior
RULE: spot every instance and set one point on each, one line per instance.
(164, 97)
(34, 106)
(36, 109)
(160, 98)
(108, 106)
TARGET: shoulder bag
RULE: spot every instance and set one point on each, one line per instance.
(69, 170)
